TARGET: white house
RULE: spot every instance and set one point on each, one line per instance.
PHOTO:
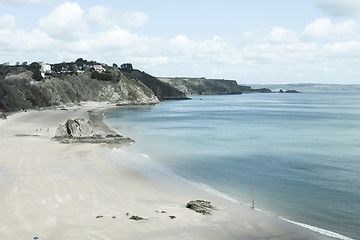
(99, 68)
(45, 68)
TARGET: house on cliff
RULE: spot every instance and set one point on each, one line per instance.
(45, 68)
(99, 68)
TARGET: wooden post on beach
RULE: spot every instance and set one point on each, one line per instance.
(253, 200)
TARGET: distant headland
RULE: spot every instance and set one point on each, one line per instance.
(40, 85)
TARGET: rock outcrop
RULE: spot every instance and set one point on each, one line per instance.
(82, 131)
(203, 86)
(77, 128)
(163, 91)
(201, 206)
(292, 91)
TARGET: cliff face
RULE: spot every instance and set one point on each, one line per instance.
(162, 90)
(203, 86)
(19, 91)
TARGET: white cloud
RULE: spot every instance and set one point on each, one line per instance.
(7, 21)
(265, 53)
(325, 29)
(282, 35)
(343, 49)
(182, 44)
(100, 16)
(111, 40)
(253, 36)
(21, 43)
(65, 22)
(69, 32)
(20, 2)
(340, 8)
(134, 19)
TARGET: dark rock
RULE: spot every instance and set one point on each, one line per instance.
(163, 211)
(127, 214)
(113, 216)
(99, 216)
(201, 206)
(113, 136)
(172, 217)
(137, 218)
(262, 90)
(97, 139)
(292, 91)
(288, 91)
(3, 116)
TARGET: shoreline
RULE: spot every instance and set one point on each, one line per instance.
(168, 173)
(56, 191)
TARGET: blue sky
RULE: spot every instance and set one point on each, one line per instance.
(257, 41)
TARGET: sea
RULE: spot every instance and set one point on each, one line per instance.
(300, 152)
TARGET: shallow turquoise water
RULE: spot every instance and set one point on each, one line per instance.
(300, 151)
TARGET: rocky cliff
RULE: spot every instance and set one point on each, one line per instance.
(203, 86)
(162, 90)
(18, 90)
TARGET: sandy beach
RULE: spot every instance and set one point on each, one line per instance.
(59, 191)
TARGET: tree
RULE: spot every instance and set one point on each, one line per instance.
(35, 68)
(115, 65)
(80, 62)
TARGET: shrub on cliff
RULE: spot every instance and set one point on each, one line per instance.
(103, 76)
(35, 68)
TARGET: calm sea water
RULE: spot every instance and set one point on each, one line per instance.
(301, 152)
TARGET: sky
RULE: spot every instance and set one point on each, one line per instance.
(251, 41)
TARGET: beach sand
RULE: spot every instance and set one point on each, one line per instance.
(56, 191)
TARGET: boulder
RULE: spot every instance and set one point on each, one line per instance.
(77, 128)
(61, 131)
(201, 206)
(82, 131)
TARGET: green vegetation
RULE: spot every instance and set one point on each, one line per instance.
(73, 82)
(162, 90)
(104, 76)
(35, 69)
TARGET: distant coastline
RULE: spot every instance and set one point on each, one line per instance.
(309, 87)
